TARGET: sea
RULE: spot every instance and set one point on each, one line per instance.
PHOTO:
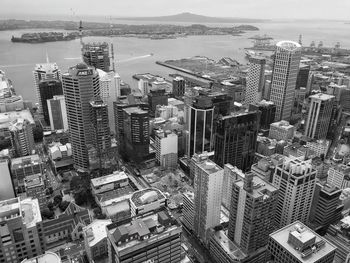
(136, 55)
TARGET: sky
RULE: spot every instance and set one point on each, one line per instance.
(266, 9)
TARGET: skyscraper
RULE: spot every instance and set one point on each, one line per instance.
(284, 77)
(48, 88)
(97, 55)
(295, 180)
(319, 117)
(136, 133)
(57, 113)
(22, 138)
(43, 72)
(252, 212)
(236, 139)
(178, 86)
(199, 122)
(100, 126)
(255, 80)
(157, 97)
(80, 86)
(296, 243)
(208, 178)
(268, 112)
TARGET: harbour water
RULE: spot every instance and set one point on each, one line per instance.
(133, 55)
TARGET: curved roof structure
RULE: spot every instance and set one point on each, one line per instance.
(288, 45)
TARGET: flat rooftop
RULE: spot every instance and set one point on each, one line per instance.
(260, 188)
(322, 96)
(33, 180)
(282, 125)
(48, 257)
(146, 196)
(302, 233)
(228, 246)
(134, 110)
(96, 231)
(19, 163)
(205, 164)
(111, 178)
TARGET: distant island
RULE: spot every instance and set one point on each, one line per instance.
(194, 18)
(152, 31)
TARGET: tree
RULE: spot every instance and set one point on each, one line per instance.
(80, 197)
(75, 182)
(50, 206)
(57, 200)
(5, 143)
(63, 205)
(48, 214)
(38, 133)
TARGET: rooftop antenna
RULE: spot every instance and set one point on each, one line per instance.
(300, 40)
(47, 57)
(80, 33)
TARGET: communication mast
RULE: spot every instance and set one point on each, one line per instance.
(111, 43)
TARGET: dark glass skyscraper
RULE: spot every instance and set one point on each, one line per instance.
(235, 139)
(48, 88)
(178, 86)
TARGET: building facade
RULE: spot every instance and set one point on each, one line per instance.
(255, 80)
(281, 130)
(166, 148)
(208, 179)
(319, 117)
(284, 77)
(236, 139)
(97, 55)
(179, 85)
(296, 181)
(57, 113)
(80, 86)
(49, 88)
(22, 138)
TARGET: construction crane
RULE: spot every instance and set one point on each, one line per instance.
(111, 56)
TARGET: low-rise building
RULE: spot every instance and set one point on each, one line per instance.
(296, 243)
(117, 179)
(281, 130)
(95, 238)
(147, 200)
(153, 238)
(48, 257)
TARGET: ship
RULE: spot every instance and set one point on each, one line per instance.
(42, 37)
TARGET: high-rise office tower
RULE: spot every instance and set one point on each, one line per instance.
(252, 213)
(284, 77)
(296, 243)
(208, 178)
(22, 138)
(157, 97)
(80, 86)
(255, 80)
(295, 180)
(231, 174)
(326, 206)
(97, 55)
(43, 72)
(199, 122)
(319, 117)
(57, 113)
(100, 126)
(179, 86)
(48, 88)
(268, 112)
(21, 230)
(303, 76)
(236, 139)
(136, 133)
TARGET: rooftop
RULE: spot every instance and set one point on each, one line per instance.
(96, 231)
(203, 162)
(312, 247)
(322, 96)
(33, 180)
(46, 67)
(21, 162)
(260, 188)
(289, 45)
(228, 246)
(48, 257)
(146, 229)
(111, 178)
(134, 110)
(146, 196)
(282, 124)
(7, 117)
(28, 209)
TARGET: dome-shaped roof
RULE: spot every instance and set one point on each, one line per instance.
(288, 45)
(81, 66)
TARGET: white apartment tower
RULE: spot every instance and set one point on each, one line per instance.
(295, 180)
(255, 80)
(208, 178)
(166, 148)
(42, 72)
(319, 117)
(284, 77)
(339, 176)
